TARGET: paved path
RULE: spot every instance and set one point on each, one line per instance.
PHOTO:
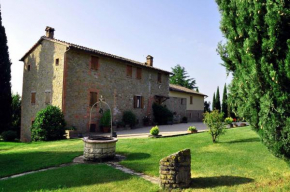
(165, 130)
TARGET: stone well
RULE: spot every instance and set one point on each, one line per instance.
(99, 148)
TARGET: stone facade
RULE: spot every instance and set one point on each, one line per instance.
(111, 82)
(175, 170)
(41, 75)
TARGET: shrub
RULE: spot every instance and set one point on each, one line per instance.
(106, 119)
(228, 120)
(9, 135)
(184, 119)
(161, 114)
(49, 125)
(192, 128)
(214, 122)
(129, 118)
(154, 130)
(16, 113)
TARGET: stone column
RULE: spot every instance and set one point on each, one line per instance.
(175, 170)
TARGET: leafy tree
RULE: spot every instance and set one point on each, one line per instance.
(215, 122)
(257, 53)
(16, 113)
(181, 78)
(49, 125)
(207, 106)
(213, 102)
(225, 104)
(217, 100)
(5, 78)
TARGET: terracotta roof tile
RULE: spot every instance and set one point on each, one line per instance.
(179, 88)
(92, 51)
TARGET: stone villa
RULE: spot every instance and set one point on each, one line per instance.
(73, 77)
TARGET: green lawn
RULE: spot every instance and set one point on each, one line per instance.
(239, 162)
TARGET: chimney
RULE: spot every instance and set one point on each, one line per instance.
(49, 32)
(149, 61)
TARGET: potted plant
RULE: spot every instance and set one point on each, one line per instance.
(129, 118)
(106, 121)
(71, 132)
(229, 121)
(192, 129)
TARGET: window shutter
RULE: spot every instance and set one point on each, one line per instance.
(94, 63)
(91, 98)
(159, 78)
(95, 97)
(129, 70)
(139, 73)
(33, 98)
(190, 99)
(135, 101)
(142, 102)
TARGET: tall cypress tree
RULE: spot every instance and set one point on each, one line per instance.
(5, 78)
(257, 54)
(213, 102)
(224, 103)
(217, 100)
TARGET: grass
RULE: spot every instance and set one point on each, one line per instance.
(238, 162)
(82, 177)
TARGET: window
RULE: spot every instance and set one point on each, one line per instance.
(138, 102)
(57, 62)
(28, 67)
(129, 71)
(159, 78)
(93, 98)
(181, 101)
(191, 99)
(139, 73)
(94, 63)
(33, 95)
(47, 97)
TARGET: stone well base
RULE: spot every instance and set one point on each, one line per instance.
(95, 150)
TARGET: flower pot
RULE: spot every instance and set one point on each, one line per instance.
(106, 129)
(195, 131)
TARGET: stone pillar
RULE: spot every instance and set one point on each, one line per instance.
(175, 170)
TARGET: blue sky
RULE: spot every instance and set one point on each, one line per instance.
(174, 32)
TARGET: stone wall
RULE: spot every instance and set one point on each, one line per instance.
(43, 76)
(194, 115)
(174, 104)
(111, 82)
(175, 170)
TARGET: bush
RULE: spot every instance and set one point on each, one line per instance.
(154, 130)
(16, 113)
(106, 119)
(214, 122)
(184, 119)
(129, 118)
(161, 114)
(229, 120)
(192, 128)
(9, 135)
(49, 125)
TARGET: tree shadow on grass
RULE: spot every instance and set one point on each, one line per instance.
(209, 182)
(243, 140)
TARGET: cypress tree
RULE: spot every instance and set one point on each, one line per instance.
(5, 78)
(257, 54)
(217, 100)
(224, 103)
(197, 90)
(213, 102)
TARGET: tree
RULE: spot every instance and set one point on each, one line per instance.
(224, 103)
(217, 100)
(197, 90)
(5, 78)
(257, 54)
(213, 102)
(215, 122)
(181, 78)
(16, 113)
(207, 106)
